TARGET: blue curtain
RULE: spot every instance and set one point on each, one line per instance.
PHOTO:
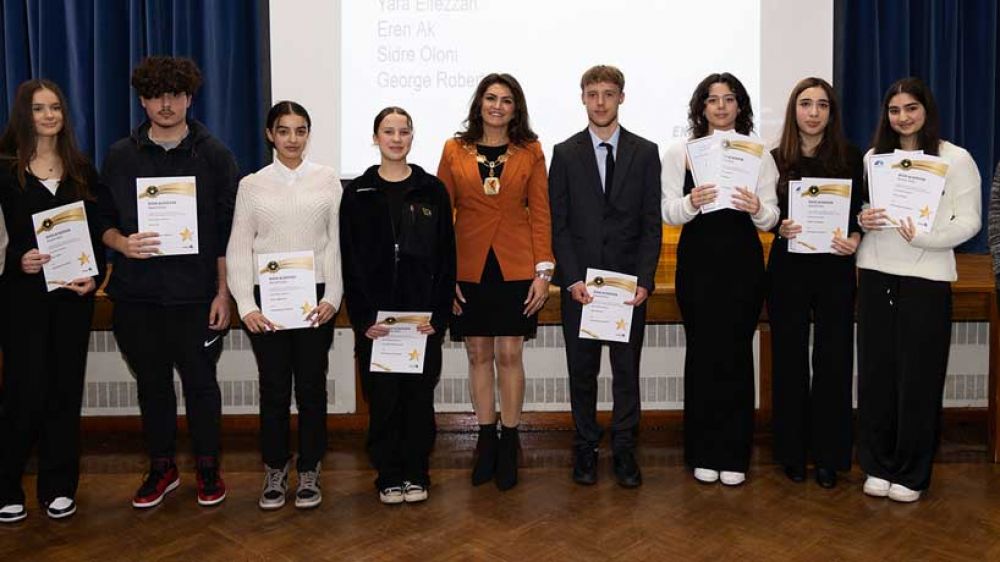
(950, 44)
(89, 47)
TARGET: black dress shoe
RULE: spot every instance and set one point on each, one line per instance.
(795, 473)
(627, 470)
(826, 478)
(507, 449)
(585, 467)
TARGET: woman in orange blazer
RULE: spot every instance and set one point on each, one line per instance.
(495, 174)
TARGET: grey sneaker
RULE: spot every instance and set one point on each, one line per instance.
(308, 493)
(413, 493)
(275, 487)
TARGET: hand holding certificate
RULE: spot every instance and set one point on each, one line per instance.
(169, 207)
(607, 317)
(728, 160)
(403, 349)
(63, 234)
(821, 206)
(287, 288)
(907, 185)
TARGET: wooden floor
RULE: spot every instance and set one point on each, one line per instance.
(546, 517)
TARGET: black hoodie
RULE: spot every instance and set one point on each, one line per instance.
(421, 275)
(170, 280)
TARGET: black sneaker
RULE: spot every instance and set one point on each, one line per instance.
(12, 513)
(211, 486)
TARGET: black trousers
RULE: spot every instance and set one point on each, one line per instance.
(583, 360)
(45, 360)
(154, 339)
(303, 356)
(812, 419)
(401, 426)
(904, 336)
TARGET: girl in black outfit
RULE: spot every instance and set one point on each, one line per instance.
(720, 288)
(813, 420)
(45, 355)
(398, 251)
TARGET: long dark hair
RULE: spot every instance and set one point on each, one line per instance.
(928, 137)
(832, 150)
(19, 142)
(279, 110)
(698, 124)
(518, 130)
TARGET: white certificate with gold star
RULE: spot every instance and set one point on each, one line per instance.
(728, 160)
(287, 288)
(168, 206)
(912, 188)
(821, 206)
(402, 351)
(607, 317)
(62, 233)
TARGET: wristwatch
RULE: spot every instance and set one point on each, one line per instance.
(545, 274)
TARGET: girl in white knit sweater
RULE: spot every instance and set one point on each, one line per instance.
(904, 304)
(291, 205)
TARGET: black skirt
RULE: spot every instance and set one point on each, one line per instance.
(494, 307)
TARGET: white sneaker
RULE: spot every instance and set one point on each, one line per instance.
(391, 495)
(876, 487)
(12, 513)
(706, 475)
(61, 507)
(900, 493)
(413, 493)
(730, 478)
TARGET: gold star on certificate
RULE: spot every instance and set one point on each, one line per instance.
(84, 258)
(186, 234)
(925, 212)
(620, 324)
(414, 354)
(306, 307)
(838, 233)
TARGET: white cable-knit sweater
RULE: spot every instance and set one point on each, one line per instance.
(283, 210)
(931, 254)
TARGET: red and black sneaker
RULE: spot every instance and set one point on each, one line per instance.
(161, 479)
(211, 487)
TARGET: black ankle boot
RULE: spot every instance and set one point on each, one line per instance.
(485, 462)
(510, 443)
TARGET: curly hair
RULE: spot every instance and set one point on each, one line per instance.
(698, 123)
(156, 76)
(518, 130)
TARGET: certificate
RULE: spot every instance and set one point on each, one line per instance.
(821, 206)
(62, 233)
(909, 185)
(728, 160)
(169, 207)
(607, 317)
(287, 288)
(403, 349)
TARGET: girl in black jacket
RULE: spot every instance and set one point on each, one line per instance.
(45, 352)
(812, 416)
(398, 251)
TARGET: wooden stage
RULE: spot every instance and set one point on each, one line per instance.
(974, 299)
(546, 517)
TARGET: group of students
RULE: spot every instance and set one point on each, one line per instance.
(477, 244)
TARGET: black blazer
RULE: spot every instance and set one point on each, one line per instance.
(623, 234)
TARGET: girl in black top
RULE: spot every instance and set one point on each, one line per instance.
(813, 420)
(398, 250)
(45, 352)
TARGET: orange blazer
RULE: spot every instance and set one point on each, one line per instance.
(515, 222)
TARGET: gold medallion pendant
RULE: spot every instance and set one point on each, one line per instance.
(491, 186)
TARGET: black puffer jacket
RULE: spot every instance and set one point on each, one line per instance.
(422, 276)
(170, 280)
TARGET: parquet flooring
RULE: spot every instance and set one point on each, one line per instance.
(546, 517)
